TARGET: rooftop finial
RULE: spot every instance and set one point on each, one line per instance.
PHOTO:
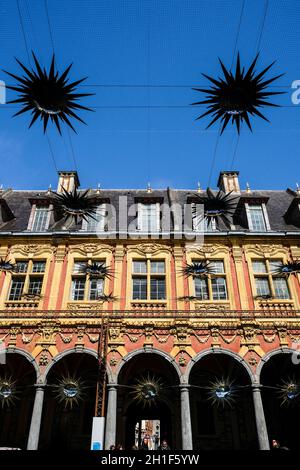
(49, 189)
(149, 190)
(198, 187)
(297, 188)
(1, 188)
(98, 188)
(248, 190)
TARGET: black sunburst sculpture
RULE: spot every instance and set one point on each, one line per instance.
(96, 269)
(76, 204)
(48, 95)
(147, 390)
(200, 269)
(289, 392)
(237, 95)
(291, 267)
(107, 298)
(218, 207)
(222, 392)
(7, 266)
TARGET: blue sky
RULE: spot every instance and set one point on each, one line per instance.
(140, 133)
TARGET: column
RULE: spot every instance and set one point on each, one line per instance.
(36, 418)
(186, 425)
(111, 416)
(262, 433)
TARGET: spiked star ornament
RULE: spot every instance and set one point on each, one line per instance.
(107, 298)
(291, 267)
(237, 95)
(221, 392)
(147, 390)
(95, 269)
(69, 390)
(219, 207)
(7, 266)
(8, 393)
(199, 269)
(47, 95)
(75, 204)
(289, 392)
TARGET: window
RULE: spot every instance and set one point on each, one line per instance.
(257, 217)
(85, 286)
(266, 282)
(96, 224)
(200, 223)
(213, 286)
(41, 218)
(148, 217)
(28, 280)
(148, 280)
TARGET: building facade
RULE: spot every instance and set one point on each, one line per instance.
(147, 320)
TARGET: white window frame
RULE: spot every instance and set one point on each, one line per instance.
(33, 213)
(101, 223)
(199, 221)
(140, 207)
(264, 213)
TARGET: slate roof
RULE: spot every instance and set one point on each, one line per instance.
(18, 203)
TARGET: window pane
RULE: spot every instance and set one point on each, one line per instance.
(259, 266)
(158, 289)
(274, 264)
(139, 288)
(16, 288)
(148, 217)
(22, 266)
(201, 288)
(97, 223)
(218, 266)
(157, 267)
(35, 285)
(38, 267)
(140, 267)
(77, 266)
(262, 286)
(218, 285)
(96, 288)
(281, 288)
(78, 286)
(40, 219)
(257, 218)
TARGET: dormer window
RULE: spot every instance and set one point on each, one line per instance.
(40, 218)
(98, 223)
(201, 223)
(148, 217)
(257, 217)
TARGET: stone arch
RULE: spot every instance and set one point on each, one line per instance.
(234, 355)
(27, 356)
(269, 355)
(65, 353)
(136, 352)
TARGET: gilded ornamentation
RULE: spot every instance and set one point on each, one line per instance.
(202, 340)
(27, 339)
(269, 339)
(208, 250)
(252, 361)
(66, 339)
(228, 340)
(43, 359)
(149, 248)
(161, 340)
(91, 248)
(93, 339)
(32, 249)
(182, 361)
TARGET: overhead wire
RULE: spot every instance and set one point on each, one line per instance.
(219, 131)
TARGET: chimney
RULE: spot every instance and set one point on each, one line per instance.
(67, 180)
(229, 181)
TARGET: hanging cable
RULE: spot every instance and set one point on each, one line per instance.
(49, 24)
(219, 131)
(257, 51)
(51, 151)
(72, 149)
(262, 25)
(23, 31)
